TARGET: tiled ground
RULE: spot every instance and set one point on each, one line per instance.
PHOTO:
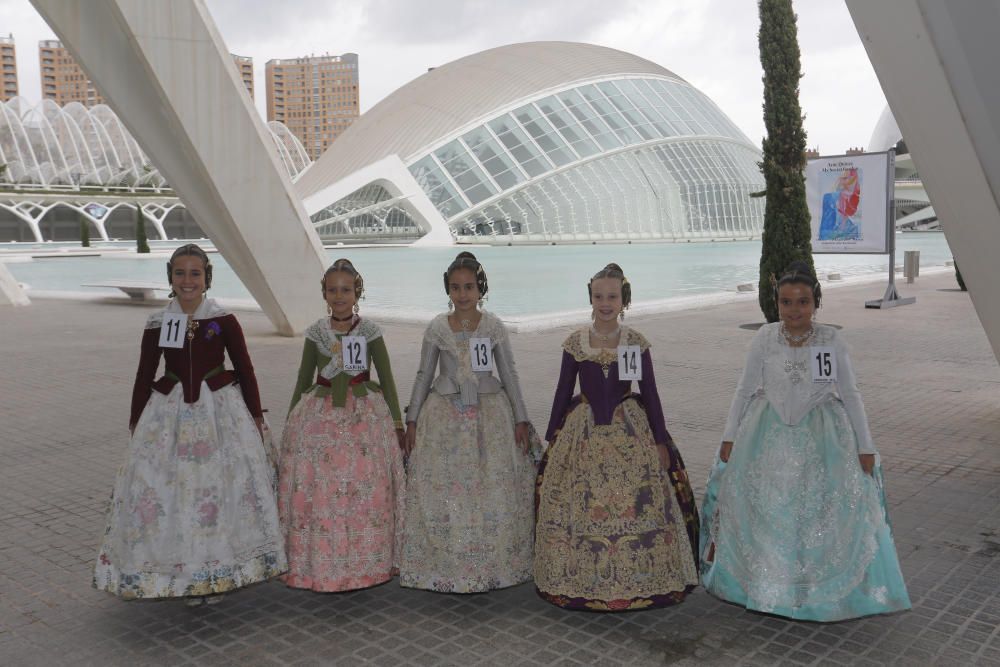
(932, 389)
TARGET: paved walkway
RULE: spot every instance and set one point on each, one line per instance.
(931, 385)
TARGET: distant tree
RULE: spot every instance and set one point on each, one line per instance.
(84, 230)
(141, 245)
(787, 233)
(958, 277)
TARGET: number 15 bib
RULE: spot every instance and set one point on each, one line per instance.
(823, 360)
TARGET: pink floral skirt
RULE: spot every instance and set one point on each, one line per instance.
(340, 493)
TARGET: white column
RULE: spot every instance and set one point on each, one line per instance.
(936, 62)
(164, 69)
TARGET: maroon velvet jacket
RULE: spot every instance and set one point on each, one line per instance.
(212, 339)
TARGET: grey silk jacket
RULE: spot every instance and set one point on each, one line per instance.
(456, 379)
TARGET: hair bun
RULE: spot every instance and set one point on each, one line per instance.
(614, 267)
(466, 254)
(798, 266)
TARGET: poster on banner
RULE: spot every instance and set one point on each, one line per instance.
(848, 199)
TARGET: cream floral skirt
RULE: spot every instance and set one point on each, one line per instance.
(469, 499)
(193, 509)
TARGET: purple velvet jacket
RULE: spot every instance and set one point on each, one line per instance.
(604, 394)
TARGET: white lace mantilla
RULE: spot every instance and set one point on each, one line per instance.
(328, 342)
(208, 309)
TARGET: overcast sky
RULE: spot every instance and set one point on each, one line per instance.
(710, 43)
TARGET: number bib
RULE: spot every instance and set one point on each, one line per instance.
(355, 351)
(481, 354)
(173, 330)
(629, 362)
(823, 360)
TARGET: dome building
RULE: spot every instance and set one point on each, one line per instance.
(537, 143)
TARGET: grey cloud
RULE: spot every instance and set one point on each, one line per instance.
(476, 20)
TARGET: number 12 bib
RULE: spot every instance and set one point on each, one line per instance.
(355, 349)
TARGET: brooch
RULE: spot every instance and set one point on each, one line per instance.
(605, 359)
(213, 329)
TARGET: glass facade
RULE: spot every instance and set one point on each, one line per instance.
(52, 146)
(623, 158)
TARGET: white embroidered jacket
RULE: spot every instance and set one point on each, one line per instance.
(782, 374)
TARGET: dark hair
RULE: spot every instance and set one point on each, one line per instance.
(466, 260)
(347, 267)
(800, 273)
(189, 250)
(612, 270)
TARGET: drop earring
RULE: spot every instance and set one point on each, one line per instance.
(357, 308)
(621, 316)
(329, 309)
(451, 305)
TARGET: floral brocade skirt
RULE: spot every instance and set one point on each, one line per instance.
(797, 528)
(340, 493)
(615, 530)
(192, 512)
(469, 518)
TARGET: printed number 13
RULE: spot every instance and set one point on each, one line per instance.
(482, 356)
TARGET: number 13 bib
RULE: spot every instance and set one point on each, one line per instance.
(481, 354)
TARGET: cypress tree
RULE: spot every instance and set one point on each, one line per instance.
(787, 233)
(84, 231)
(141, 245)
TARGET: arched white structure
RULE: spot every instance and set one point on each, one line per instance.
(48, 146)
(913, 206)
(541, 142)
(165, 69)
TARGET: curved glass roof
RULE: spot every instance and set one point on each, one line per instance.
(560, 129)
(72, 146)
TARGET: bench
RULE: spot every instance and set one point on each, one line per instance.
(137, 290)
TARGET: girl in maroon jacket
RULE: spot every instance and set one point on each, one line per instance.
(193, 511)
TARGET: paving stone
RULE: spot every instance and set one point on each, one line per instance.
(930, 384)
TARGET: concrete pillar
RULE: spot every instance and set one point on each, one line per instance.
(936, 62)
(164, 69)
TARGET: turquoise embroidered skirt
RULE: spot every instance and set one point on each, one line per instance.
(794, 527)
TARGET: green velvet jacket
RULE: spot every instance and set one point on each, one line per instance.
(322, 358)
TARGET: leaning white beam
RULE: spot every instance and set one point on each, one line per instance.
(936, 62)
(166, 72)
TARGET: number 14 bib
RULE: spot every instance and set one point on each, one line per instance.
(629, 362)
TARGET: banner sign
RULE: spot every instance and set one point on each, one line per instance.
(848, 198)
